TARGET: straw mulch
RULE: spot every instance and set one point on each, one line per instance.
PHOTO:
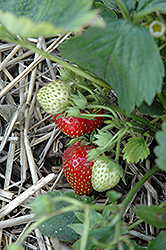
(31, 148)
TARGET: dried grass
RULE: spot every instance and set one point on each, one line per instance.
(31, 149)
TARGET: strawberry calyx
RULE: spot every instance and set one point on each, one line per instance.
(76, 126)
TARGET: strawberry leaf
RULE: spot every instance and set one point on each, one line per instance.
(57, 226)
(156, 109)
(152, 215)
(152, 6)
(158, 243)
(121, 55)
(160, 149)
(135, 150)
(111, 4)
(28, 18)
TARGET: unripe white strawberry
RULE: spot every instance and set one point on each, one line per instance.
(54, 97)
(105, 174)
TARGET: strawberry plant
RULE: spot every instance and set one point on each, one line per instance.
(113, 55)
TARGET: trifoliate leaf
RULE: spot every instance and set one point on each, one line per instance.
(28, 18)
(135, 150)
(121, 54)
(152, 215)
(160, 150)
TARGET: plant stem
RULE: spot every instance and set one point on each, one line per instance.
(86, 230)
(65, 64)
(162, 46)
(162, 100)
(134, 224)
(140, 221)
(135, 117)
(131, 194)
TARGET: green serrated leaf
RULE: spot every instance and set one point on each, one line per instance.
(135, 150)
(46, 17)
(121, 54)
(152, 6)
(161, 148)
(152, 215)
(110, 3)
(158, 243)
(106, 13)
(103, 137)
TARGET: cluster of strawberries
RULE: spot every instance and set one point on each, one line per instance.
(82, 174)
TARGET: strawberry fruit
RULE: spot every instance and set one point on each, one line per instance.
(105, 174)
(77, 168)
(54, 96)
(75, 126)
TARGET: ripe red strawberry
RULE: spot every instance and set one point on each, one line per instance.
(77, 168)
(75, 127)
(54, 96)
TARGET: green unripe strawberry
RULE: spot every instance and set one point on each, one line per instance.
(105, 175)
(54, 97)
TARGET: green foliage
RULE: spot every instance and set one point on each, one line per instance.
(160, 149)
(107, 14)
(45, 18)
(14, 246)
(152, 215)
(135, 150)
(155, 109)
(152, 6)
(57, 226)
(158, 243)
(42, 205)
(111, 4)
(121, 55)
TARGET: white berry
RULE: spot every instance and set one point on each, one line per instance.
(54, 97)
(102, 178)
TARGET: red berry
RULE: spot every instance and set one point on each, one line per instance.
(77, 168)
(75, 127)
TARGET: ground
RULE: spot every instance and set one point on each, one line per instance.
(31, 152)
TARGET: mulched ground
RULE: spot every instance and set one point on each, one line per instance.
(31, 149)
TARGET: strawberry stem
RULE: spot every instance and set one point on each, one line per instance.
(60, 61)
(131, 195)
(84, 237)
